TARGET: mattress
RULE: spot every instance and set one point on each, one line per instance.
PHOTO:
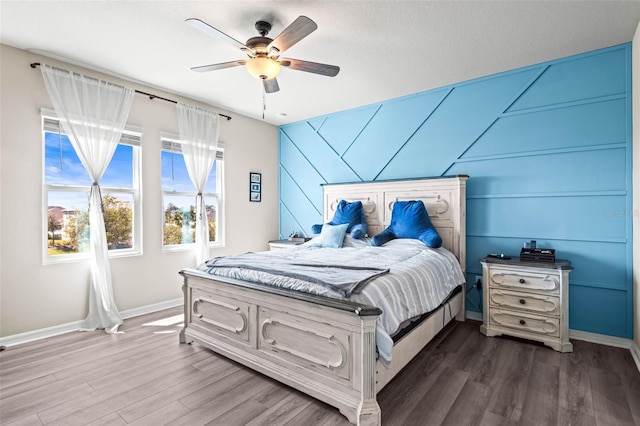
(418, 280)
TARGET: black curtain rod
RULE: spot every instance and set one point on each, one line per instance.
(150, 95)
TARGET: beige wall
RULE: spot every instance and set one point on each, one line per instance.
(34, 296)
(635, 66)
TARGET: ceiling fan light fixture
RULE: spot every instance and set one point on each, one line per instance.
(263, 67)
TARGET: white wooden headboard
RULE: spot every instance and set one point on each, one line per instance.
(444, 198)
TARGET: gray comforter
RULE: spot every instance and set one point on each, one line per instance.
(343, 278)
(419, 279)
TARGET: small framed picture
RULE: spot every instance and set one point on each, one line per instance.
(255, 187)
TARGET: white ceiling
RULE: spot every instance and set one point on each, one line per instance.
(385, 49)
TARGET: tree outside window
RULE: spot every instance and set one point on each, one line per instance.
(179, 215)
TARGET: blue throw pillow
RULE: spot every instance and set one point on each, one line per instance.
(350, 213)
(409, 219)
(330, 236)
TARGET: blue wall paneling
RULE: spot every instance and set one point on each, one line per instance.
(548, 152)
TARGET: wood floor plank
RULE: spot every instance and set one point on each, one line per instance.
(239, 415)
(32, 402)
(404, 393)
(118, 396)
(574, 385)
(317, 413)
(491, 419)
(438, 400)
(625, 366)
(175, 358)
(32, 371)
(507, 370)
(470, 405)
(145, 377)
(609, 399)
(32, 420)
(541, 399)
(283, 411)
(18, 388)
(228, 400)
(163, 415)
(45, 348)
(198, 383)
(573, 417)
(199, 398)
(109, 420)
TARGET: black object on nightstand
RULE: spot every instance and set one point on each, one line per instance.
(538, 254)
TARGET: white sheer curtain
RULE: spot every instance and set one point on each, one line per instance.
(93, 113)
(199, 132)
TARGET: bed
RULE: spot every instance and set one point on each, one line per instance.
(324, 346)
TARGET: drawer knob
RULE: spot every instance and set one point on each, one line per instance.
(522, 301)
(522, 322)
(521, 280)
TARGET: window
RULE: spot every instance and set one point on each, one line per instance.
(179, 196)
(66, 193)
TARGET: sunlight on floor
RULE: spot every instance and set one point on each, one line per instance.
(174, 321)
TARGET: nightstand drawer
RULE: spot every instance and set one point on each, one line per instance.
(525, 322)
(524, 280)
(535, 303)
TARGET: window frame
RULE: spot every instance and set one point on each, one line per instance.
(132, 136)
(171, 143)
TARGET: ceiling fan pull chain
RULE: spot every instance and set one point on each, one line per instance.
(264, 101)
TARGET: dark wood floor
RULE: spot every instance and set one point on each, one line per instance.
(144, 377)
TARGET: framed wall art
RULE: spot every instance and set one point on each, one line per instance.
(255, 187)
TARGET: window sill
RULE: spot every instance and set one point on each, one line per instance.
(186, 247)
(82, 257)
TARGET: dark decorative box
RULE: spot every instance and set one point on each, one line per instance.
(538, 255)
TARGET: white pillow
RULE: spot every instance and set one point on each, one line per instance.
(331, 236)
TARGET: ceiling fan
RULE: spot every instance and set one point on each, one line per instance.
(264, 53)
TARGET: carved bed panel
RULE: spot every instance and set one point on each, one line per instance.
(444, 199)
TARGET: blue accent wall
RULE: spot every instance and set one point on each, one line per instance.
(548, 152)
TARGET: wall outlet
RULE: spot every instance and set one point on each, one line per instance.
(478, 282)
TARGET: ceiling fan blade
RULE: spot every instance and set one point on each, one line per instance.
(220, 66)
(215, 33)
(296, 31)
(308, 66)
(270, 85)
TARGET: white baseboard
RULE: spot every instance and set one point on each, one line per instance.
(477, 316)
(601, 339)
(635, 353)
(31, 336)
(136, 312)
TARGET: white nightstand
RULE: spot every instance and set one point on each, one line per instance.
(528, 300)
(283, 244)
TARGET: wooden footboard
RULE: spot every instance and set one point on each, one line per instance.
(320, 346)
